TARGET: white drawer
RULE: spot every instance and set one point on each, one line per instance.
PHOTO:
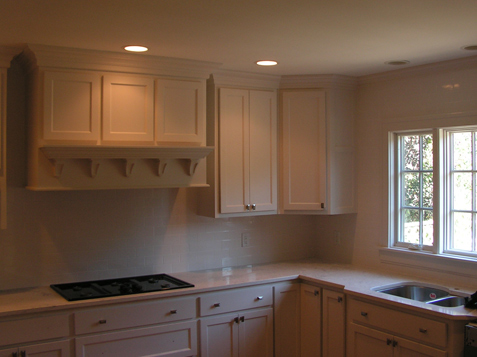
(414, 327)
(134, 314)
(235, 300)
(33, 329)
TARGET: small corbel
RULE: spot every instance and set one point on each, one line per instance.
(57, 167)
(129, 166)
(161, 166)
(94, 164)
(193, 165)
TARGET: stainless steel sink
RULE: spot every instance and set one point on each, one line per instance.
(449, 301)
(425, 293)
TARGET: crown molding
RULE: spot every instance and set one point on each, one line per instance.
(326, 81)
(245, 79)
(47, 57)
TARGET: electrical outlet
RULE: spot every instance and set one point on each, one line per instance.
(245, 240)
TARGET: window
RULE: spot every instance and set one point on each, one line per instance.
(433, 186)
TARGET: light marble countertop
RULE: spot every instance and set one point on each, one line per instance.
(354, 281)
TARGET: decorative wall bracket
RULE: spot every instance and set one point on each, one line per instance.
(129, 155)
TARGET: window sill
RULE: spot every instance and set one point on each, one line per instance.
(419, 259)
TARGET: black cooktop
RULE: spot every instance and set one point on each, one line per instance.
(116, 287)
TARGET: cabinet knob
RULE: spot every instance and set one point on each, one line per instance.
(173, 311)
(242, 318)
(394, 343)
(389, 341)
(102, 322)
(364, 313)
(254, 207)
(217, 304)
(236, 320)
(340, 299)
(259, 297)
(247, 207)
(422, 330)
(22, 353)
(14, 354)
(316, 292)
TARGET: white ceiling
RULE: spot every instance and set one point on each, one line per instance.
(351, 37)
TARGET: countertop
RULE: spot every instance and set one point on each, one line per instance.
(354, 281)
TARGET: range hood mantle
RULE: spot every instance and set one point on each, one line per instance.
(102, 120)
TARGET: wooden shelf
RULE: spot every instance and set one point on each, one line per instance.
(129, 154)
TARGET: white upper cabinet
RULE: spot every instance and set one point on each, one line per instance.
(180, 111)
(101, 120)
(317, 159)
(128, 108)
(242, 120)
(72, 106)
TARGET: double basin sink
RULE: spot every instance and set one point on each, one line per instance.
(427, 294)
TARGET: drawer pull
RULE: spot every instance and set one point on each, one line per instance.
(364, 313)
(316, 292)
(395, 343)
(422, 330)
(259, 297)
(242, 318)
(217, 304)
(340, 299)
(102, 322)
(173, 311)
(389, 341)
(236, 320)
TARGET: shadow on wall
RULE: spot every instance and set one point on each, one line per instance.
(335, 238)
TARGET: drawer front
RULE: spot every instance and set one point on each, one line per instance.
(235, 300)
(33, 329)
(404, 324)
(135, 314)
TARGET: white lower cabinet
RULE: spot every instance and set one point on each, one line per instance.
(375, 330)
(287, 319)
(334, 323)
(310, 320)
(178, 339)
(247, 334)
(48, 349)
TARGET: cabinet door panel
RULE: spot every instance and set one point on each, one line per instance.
(256, 333)
(333, 323)
(128, 108)
(71, 106)
(179, 340)
(51, 349)
(364, 341)
(219, 336)
(304, 150)
(310, 320)
(263, 153)
(180, 111)
(406, 348)
(234, 150)
(287, 320)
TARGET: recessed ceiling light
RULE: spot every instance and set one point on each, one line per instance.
(267, 63)
(397, 63)
(470, 48)
(136, 48)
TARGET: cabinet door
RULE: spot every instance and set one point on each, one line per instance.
(363, 341)
(287, 320)
(219, 336)
(304, 150)
(263, 150)
(180, 111)
(406, 348)
(51, 349)
(178, 340)
(128, 105)
(8, 352)
(310, 320)
(72, 103)
(256, 333)
(333, 323)
(234, 150)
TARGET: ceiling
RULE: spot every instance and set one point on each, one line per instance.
(349, 37)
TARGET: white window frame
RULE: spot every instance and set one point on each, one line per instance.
(442, 191)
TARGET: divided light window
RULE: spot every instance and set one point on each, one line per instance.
(435, 169)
